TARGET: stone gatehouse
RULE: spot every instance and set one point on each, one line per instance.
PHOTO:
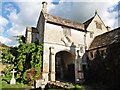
(65, 42)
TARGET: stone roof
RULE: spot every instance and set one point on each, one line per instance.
(86, 23)
(64, 22)
(106, 39)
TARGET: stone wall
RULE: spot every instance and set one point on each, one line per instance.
(105, 67)
(93, 30)
(56, 39)
(40, 28)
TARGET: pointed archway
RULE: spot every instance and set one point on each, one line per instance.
(64, 66)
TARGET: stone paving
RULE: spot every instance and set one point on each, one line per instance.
(61, 84)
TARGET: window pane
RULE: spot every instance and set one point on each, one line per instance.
(98, 25)
(67, 31)
(91, 34)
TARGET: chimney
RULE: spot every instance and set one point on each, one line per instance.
(28, 35)
(96, 12)
(44, 6)
(108, 28)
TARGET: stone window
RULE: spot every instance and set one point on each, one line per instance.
(98, 25)
(66, 31)
(91, 54)
(81, 49)
(103, 53)
(91, 34)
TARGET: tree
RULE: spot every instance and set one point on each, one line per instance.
(26, 59)
(7, 56)
(29, 61)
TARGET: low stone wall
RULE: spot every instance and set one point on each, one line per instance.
(60, 85)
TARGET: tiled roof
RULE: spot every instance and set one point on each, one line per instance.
(64, 22)
(86, 23)
(106, 39)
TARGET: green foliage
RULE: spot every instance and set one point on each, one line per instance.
(30, 57)
(26, 59)
(7, 56)
(7, 72)
(78, 87)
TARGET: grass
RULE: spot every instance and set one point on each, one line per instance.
(78, 87)
(18, 86)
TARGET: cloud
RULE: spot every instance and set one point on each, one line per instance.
(3, 22)
(4, 40)
(82, 11)
(29, 11)
(28, 15)
(11, 41)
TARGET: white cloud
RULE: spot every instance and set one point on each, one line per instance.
(80, 11)
(4, 40)
(27, 16)
(3, 22)
(10, 41)
(1, 30)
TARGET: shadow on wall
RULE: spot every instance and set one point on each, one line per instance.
(104, 69)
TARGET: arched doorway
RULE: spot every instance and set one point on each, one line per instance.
(64, 66)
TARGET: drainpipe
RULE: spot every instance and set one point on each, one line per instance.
(44, 6)
(84, 59)
(85, 41)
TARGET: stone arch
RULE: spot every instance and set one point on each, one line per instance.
(65, 66)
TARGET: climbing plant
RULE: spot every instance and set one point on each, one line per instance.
(27, 61)
(7, 56)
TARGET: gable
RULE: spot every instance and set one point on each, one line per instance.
(96, 25)
(106, 39)
(86, 23)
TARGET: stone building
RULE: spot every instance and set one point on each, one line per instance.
(102, 42)
(65, 41)
(103, 58)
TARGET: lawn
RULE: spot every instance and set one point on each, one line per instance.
(18, 86)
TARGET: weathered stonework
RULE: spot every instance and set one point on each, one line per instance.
(65, 42)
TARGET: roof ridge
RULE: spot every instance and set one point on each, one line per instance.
(86, 23)
(89, 19)
(64, 22)
(105, 39)
(64, 18)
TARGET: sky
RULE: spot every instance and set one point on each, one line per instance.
(16, 15)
